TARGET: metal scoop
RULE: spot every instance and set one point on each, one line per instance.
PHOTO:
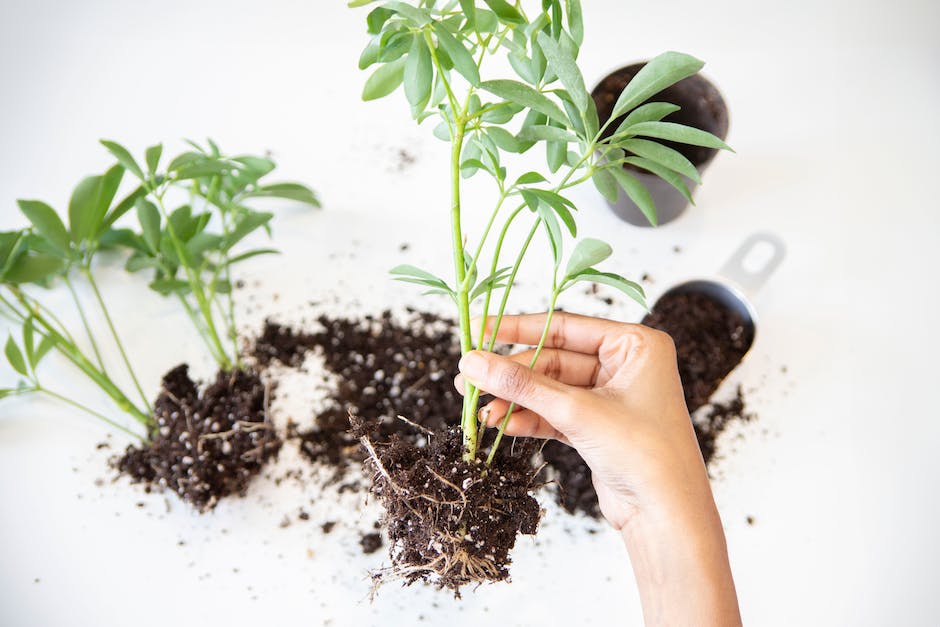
(739, 279)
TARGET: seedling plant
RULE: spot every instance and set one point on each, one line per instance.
(436, 52)
(188, 248)
(439, 53)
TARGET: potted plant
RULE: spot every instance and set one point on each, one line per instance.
(455, 506)
(202, 444)
(698, 104)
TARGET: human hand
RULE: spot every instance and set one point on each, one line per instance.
(612, 391)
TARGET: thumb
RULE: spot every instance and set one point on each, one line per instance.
(512, 381)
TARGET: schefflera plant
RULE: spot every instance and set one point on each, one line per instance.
(191, 250)
(438, 53)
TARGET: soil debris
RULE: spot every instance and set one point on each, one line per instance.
(206, 444)
(450, 523)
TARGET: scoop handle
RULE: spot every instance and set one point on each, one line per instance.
(748, 278)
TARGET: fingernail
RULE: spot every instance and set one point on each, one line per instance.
(473, 365)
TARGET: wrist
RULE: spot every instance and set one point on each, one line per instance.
(680, 560)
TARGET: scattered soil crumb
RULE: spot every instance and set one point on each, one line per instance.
(206, 444)
(327, 527)
(370, 543)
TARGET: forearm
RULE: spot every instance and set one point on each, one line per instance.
(680, 561)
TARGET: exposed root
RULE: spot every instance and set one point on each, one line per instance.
(449, 523)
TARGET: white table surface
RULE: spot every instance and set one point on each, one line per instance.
(834, 119)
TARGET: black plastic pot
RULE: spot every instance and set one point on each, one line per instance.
(701, 106)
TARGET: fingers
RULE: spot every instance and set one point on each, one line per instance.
(523, 423)
(565, 366)
(512, 381)
(582, 334)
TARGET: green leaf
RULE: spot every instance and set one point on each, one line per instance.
(664, 173)
(359, 3)
(419, 74)
(419, 17)
(553, 231)
(490, 282)
(152, 156)
(629, 288)
(605, 184)
(650, 112)
(248, 223)
(90, 201)
(28, 342)
(47, 223)
(406, 271)
(575, 20)
(124, 158)
(206, 167)
(33, 269)
(545, 133)
(169, 286)
(384, 80)
(637, 193)
(289, 191)
(678, 133)
(661, 72)
(469, 8)
(252, 253)
(503, 138)
(377, 19)
(45, 345)
(556, 154)
(505, 11)
(586, 254)
(663, 155)
(463, 60)
(121, 208)
(558, 203)
(522, 94)
(141, 261)
(15, 357)
(150, 223)
(530, 178)
(565, 67)
(113, 238)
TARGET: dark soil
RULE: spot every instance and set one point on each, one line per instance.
(206, 445)
(280, 343)
(701, 106)
(449, 523)
(710, 341)
(370, 543)
(385, 368)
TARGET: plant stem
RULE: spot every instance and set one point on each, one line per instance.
(81, 313)
(71, 352)
(535, 358)
(88, 410)
(468, 421)
(197, 288)
(117, 340)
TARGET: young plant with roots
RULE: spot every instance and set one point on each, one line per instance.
(191, 250)
(438, 52)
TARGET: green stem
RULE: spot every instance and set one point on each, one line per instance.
(71, 352)
(117, 339)
(196, 286)
(87, 410)
(81, 313)
(468, 421)
(535, 357)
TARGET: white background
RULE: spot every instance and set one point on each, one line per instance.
(834, 119)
